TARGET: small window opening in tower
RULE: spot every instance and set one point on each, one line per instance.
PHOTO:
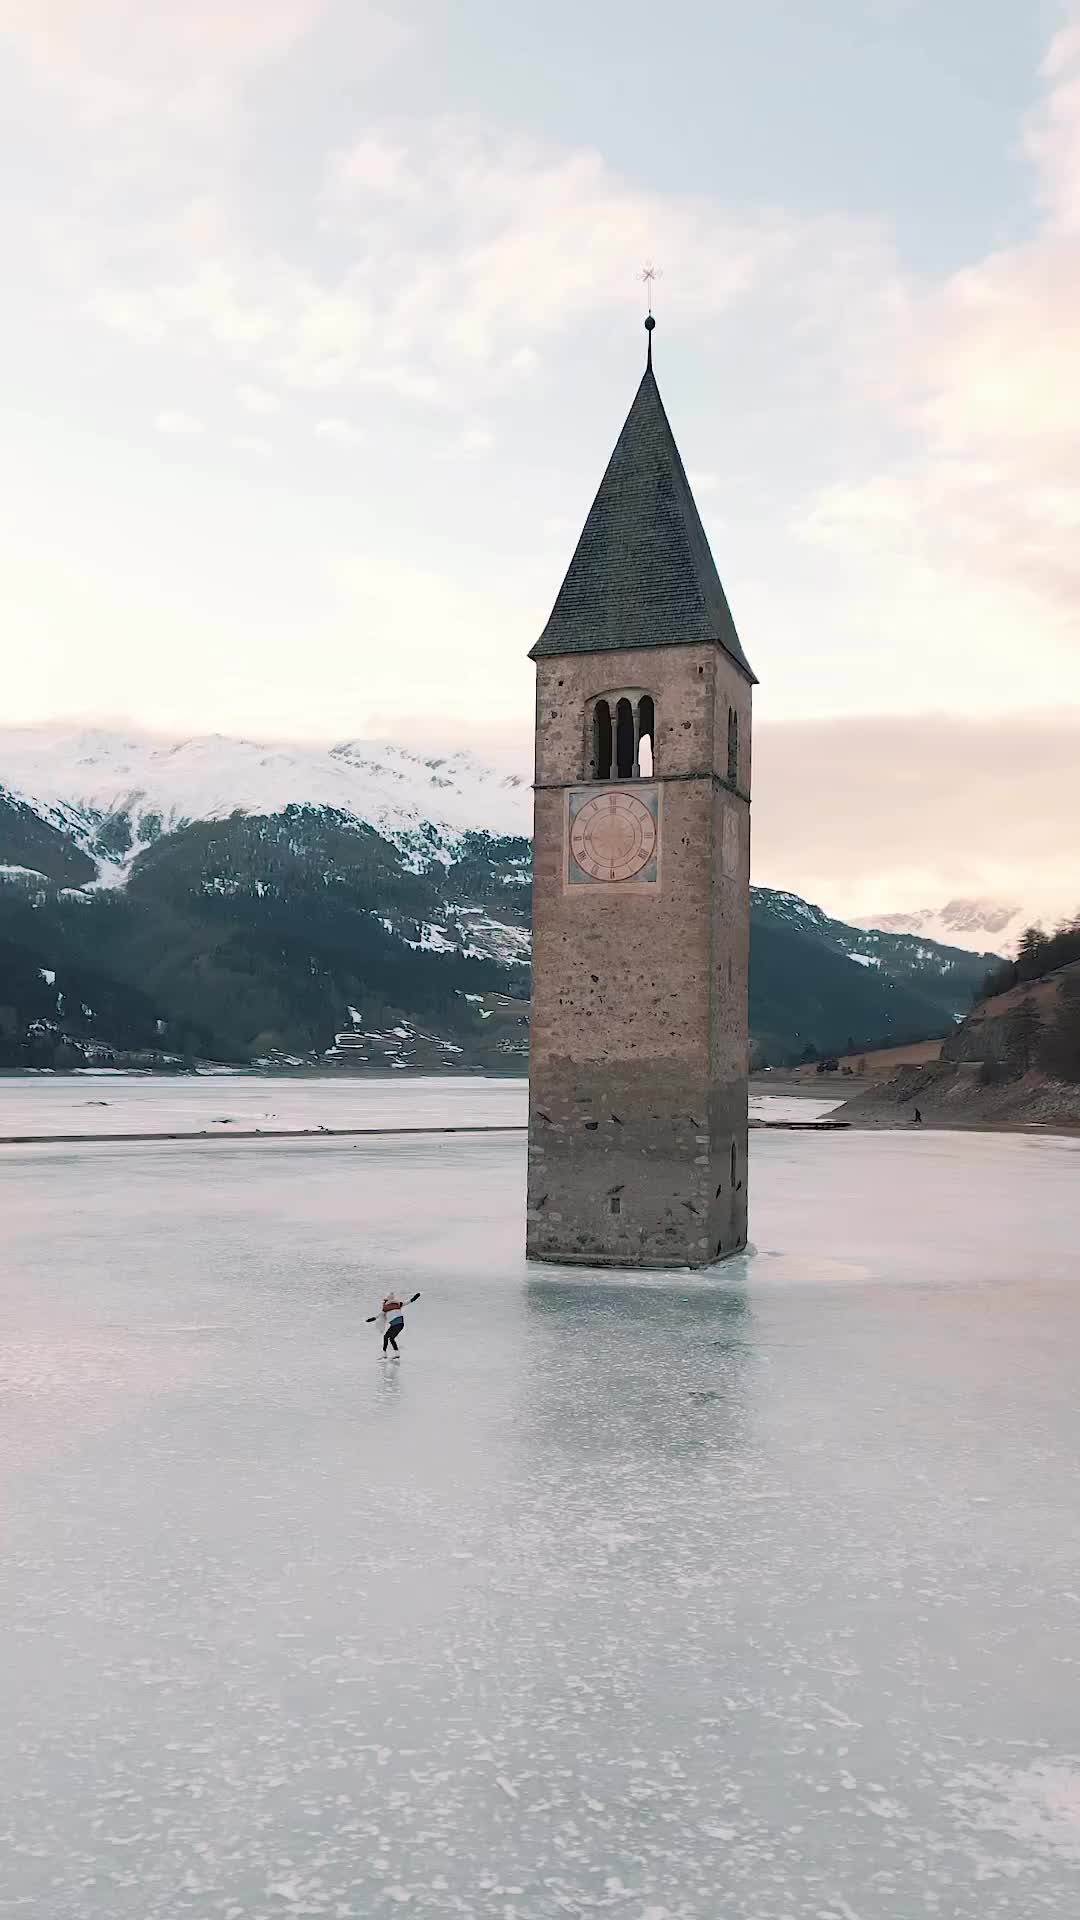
(734, 1163)
(601, 741)
(732, 746)
(646, 736)
(624, 740)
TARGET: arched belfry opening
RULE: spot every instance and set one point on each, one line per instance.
(601, 741)
(646, 737)
(732, 747)
(624, 740)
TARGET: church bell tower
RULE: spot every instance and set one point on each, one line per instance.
(641, 888)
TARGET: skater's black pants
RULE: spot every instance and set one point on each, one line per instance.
(389, 1338)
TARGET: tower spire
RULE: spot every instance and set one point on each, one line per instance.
(642, 574)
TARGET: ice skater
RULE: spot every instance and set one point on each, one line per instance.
(392, 1313)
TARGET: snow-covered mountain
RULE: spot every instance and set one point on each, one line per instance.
(980, 926)
(65, 772)
(899, 951)
(80, 779)
(277, 897)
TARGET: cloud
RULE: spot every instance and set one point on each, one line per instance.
(258, 400)
(477, 440)
(884, 813)
(253, 443)
(1052, 137)
(376, 166)
(342, 432)
(434, 241)
(966, 541)
(116, 63)
(174, 421)
(504, 217)
(213, 306)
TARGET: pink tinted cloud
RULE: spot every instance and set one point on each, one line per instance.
(893, 812)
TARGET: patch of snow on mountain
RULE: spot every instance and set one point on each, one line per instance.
(491, 939)
(789, 903)
(432, 940)
(111, 873)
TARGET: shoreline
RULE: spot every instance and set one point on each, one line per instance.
(886, 1122)
(210, 1072)
(825, 1125)
(863, 1123)
(871, 1108)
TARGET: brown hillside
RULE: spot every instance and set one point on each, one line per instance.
(954, 1091)
(982, 1035)
(876, 1065)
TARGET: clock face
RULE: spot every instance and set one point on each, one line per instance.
(613, 835)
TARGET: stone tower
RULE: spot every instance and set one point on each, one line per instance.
(641, 890)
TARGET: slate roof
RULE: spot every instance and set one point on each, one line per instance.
(642, 574)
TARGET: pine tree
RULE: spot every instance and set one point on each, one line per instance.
(1060, 1050)
(1023, 1032)
(1029, 953)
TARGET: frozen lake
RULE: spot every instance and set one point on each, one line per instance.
(753, 1595)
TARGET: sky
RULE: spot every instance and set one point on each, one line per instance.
(321, 319)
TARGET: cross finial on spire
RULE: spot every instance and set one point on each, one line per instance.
(648, 276)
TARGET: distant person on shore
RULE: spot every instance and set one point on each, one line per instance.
(918, 1118)
(392, 1313)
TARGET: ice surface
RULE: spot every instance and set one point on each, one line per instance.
(73, 1103)
(754, 1594)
